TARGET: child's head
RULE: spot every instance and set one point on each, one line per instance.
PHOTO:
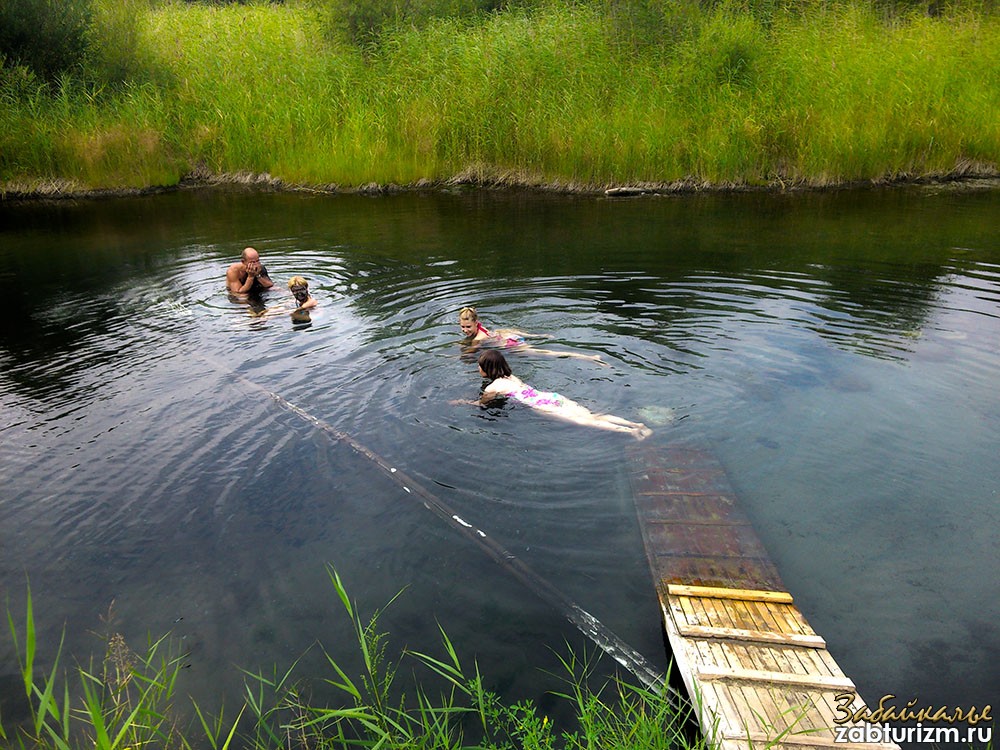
(494, 365)
(300, 288)
(468, 320)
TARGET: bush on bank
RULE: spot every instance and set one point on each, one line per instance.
(585, 93)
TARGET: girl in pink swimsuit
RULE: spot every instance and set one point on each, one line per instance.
(504, 384)
(476, 335)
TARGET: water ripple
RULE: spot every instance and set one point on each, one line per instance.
(143, 432)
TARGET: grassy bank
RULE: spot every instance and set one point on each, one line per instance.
(133, 699)
(555, 94)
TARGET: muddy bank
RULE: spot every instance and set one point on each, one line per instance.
(969, 177)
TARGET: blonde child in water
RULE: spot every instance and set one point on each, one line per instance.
(504, 384)
(299, 288)
(476, 334)
(304, 302)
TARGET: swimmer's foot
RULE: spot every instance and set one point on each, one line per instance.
(642, 432)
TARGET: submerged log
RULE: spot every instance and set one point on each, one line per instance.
(625, 191)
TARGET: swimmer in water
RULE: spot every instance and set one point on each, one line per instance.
(504, 384)
(300, 289)
(477, 335)
(248, 275)
(304, 302)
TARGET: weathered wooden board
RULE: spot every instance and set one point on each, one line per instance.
(756, 672)
(694, 530)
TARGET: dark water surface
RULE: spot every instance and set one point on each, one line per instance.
(839, 353)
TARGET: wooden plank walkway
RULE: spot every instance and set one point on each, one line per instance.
(756, 672)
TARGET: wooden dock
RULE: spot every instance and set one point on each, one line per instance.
(757, 674)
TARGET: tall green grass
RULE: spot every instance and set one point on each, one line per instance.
(560, 93)
(125, 701)
(867, 101)
(130, 700)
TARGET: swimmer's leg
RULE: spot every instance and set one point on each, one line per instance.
(638, 430)
(564, 355)
(621, 420)
(589, 357)
(571, 411)
(600, 420)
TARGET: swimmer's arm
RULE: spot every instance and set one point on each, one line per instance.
(309, 304)
(491, 394)
(484, 400)
(264, 279)
(255, 273)
(233, 282)
(270, 311)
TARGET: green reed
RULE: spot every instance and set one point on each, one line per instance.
(125, 701)
(131, 700)
(819, 93)
(865, 101)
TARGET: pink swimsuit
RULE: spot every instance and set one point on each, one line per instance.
(539, 399)
(508, 343)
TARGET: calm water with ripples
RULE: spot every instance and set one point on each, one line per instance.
(839, 354)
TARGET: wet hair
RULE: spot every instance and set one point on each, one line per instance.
(470, 313)
(494, 364)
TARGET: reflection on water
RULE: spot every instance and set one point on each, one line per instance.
(838, 352)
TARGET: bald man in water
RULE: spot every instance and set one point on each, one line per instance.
(249, 275)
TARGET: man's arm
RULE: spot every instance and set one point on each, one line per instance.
(262, 278)
(233, 280)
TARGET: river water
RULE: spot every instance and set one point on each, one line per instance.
(839, 353)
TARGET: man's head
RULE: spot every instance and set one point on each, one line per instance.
(249, 256)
